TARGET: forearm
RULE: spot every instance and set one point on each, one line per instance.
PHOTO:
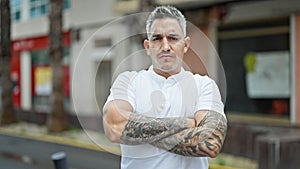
(204, 140)
(141, 129)
(123, 126)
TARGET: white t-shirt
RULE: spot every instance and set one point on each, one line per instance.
(150, 94)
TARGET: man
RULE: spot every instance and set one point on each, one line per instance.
(165, 117)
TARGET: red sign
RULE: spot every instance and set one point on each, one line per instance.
(29, 44)
(34, 43)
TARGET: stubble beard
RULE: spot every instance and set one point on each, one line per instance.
(170, 68)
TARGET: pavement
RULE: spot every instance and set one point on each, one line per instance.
(93, 140)
(26, 153)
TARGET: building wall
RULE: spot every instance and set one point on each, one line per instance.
(96, 36)
(84, 65)
(88, 23)
(80, 13)
(32, 27)
(251, 10)
(296, 52)
(84, 13)
(85, 17)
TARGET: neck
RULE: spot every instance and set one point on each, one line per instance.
(165, 74)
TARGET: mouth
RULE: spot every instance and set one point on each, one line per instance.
(166, 56)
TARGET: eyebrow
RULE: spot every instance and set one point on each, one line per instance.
(156, 35)
(160, 35)
(173, 35)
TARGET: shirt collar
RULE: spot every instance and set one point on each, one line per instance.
(160, 78)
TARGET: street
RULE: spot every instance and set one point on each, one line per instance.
(25, 153)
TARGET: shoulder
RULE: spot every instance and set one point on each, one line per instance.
(205, 84)
(203, 79)
(199, 80)
(130, 78)
(196, 76)
(128, 75)
(125, 77)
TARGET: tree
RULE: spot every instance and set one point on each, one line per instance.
(57, 120)
(7, 111)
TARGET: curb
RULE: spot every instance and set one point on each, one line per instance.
(81, 144)
(216, 166)
(63, 140)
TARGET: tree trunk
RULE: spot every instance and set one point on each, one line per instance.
(7, 110)
(57, 120)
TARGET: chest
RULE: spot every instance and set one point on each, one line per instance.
(168, 99)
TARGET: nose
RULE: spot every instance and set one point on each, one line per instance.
(165, 45)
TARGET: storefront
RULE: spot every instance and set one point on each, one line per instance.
(31, 73)
(257, 61)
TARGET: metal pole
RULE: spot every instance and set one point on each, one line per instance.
(60, 160)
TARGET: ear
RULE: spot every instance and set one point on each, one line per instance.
(187, 42)
(146, 46)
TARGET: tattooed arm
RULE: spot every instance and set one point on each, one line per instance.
(123, 126)
(204, 140)
(177, 135)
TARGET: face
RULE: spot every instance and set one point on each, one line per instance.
(166, 46)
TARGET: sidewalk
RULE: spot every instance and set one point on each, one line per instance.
(98, 141)
(74, 137)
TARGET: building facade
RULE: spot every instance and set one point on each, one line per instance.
(251, 49)
(31, 71)
(257, 43)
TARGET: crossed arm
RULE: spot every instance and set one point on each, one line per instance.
(202, 136)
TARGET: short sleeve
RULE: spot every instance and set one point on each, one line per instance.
(122, 89)
(209, 95)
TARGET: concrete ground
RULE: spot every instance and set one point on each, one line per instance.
(98, 141)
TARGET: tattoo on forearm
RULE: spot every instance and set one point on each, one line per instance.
(142, 129)
(205, 139)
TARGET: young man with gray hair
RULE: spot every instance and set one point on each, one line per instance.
(165, 117)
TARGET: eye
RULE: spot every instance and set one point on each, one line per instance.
(173, 38)
(156, 38)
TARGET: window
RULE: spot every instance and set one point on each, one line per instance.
(16, 6)
(66, 4)
(38, 8)
(235, 49)
(42, 79)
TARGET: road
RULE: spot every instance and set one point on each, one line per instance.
(25, 153)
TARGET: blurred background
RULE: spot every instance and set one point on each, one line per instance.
(257, 42)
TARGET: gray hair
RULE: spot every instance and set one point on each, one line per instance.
(166, 12)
